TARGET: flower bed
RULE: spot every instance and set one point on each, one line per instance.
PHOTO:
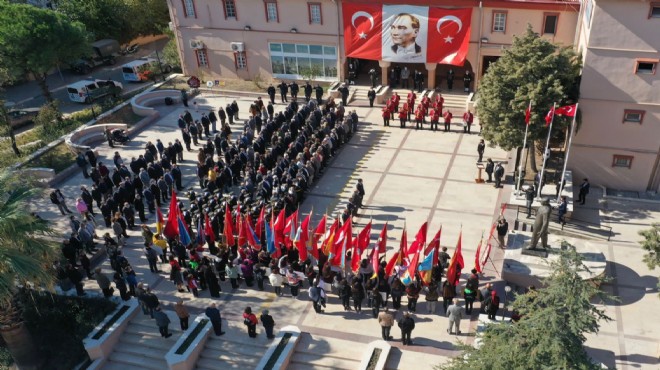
(193, 335)
(278, 351)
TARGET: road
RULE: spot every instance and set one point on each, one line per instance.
(28, 94)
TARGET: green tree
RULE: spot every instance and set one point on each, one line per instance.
(148, 17)
(170, 52)
(5, 122)
(651, 244)
(551, 332)
(532, 69)
(33, 41)
(102, 18)
(26, 256)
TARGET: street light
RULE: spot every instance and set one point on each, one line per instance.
(507, 290)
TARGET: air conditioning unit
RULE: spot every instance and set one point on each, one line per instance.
(196, 44)
(237, 46)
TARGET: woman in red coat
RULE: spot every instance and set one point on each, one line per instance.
(403, 115)
(251, 321)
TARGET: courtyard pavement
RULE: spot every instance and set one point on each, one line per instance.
(410, 177)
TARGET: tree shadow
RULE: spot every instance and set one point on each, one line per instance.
(636, 359)
(629, 294)
(605, 357)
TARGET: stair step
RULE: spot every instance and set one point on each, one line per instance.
(111, 365)
(227, 363)
(149, 328)
(241, 341)
(326, 361)
(134, 360)
(150, 341)
(145, 351)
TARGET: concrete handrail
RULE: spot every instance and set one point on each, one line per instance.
(142, 103)
(382, 94)
(187, 360)
(285, 355)
(80, 139)
(103, 346)
(382, 358)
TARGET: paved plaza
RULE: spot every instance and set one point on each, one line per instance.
(410, 177)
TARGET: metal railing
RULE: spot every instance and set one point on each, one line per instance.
(571, 223)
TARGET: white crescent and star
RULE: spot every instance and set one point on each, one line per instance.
(449, 18)
(359, 14)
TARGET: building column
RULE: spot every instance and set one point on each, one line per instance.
(430, 68)
(342, 68)
(384, 68)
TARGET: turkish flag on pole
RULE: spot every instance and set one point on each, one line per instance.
(528, 113)
(362, 30)
(549, 116)
(448, 35)
(420, 240)
(567, 110)
(477, 262)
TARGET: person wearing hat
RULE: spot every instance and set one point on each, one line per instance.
(268, 323)
(407, 325)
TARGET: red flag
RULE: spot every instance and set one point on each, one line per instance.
(318, 233)
(434, 245)
(375, 263)
(395, 260)
(382, 240)
(172, 226)
(356, 256)
(486, 255)
(208, 230)
(477, 263)
(409, 276)
(420, 240)
(259, 227)
(549, 116)
(228, 229)
(363, 238)
(242, 229)
(528, 113)
(278, 229)
(343, 243)
(237, 224)
(567, 110)
(251, 236)
(301, 243)
(448, 35)
(403, 245)
(329, 237)
(362, 30)
(290, 228)
(456, 263)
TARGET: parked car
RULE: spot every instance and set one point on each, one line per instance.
(22, 117)
(104, 52)
(143, 69)
(86, 91)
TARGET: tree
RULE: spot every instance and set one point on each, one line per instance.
(651, 244)
(170, 52)
(34, 40)
(532, 69)
(26, 257)
(104, 19)
(550, 333)
(5, 122)
(149, 17)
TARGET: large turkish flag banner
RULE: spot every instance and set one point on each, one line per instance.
(448, 35)
(362, 30)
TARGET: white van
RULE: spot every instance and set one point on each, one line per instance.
(86, 91)
(142, 69)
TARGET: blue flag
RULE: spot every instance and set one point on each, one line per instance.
(270, 239)
(183, 234)
(427, 263)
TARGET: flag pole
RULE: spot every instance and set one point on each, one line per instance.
(568, 151)
(547, 145)
(521, 168)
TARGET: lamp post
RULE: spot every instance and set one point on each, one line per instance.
(507, 290)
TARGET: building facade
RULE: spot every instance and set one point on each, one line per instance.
(618, 143)
(288, 39)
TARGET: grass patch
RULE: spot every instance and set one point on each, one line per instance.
(110, 322)
(186, 343)
(373, 360)
(278, 351)
(59, 158)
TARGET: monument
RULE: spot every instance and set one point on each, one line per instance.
(541, 225)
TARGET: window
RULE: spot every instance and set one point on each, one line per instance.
(633, 116)
(271, 11)
(654, 11)
(622, 161)
(646, 66)
(240, 60)
(202, 58)
(230, 8)
(189, 8)
(499, 21)
(314, 10)
(550, 23)
(303, 61)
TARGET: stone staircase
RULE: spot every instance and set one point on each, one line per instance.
(141, 346)
(234, 350)
(315, 352)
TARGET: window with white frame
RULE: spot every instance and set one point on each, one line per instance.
(271, 12)
(303, 61)
(315, 16)
(202, 58)
(230, 8)
(240, 60)
(499, 21)
(189, 8)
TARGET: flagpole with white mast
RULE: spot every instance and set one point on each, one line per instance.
(568, 151)
(547, 145)
(521, 167)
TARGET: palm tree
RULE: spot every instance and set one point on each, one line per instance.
(26, 255)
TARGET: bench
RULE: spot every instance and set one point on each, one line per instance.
(81, 139)
(142, 103)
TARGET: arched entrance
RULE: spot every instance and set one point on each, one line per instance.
(442, 71)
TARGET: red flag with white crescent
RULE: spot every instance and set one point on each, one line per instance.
(362, 30)
(567, 110)
(449, 35)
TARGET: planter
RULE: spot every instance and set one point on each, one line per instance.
(102, 339)
(185, 352)
(279, 354)
(375, 356)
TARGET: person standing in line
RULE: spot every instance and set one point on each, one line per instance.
(386, 116)
(492, 304)
(584, 190)
(251, 321)
(386, 321)
(357, 292)
(502, 229)
(481, 147)
(213, 314)
(468, 118)
(268, 322)
(271, 93)
(448, 116)
(163, 322)
(182, 313)
(104, 283)
(562, 209)
(490, 167)
(372, 96)
(499, 173)
(407, 325)
(432, 297)
(448, 293)
(455, 314)
(412, 292)
(184, 97)
(530, 194)
(57, 198)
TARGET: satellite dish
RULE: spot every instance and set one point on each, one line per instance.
(209, 83)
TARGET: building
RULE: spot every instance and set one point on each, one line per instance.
(286, 39)
(618, 144)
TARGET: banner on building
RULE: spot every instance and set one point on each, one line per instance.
(406, 33)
